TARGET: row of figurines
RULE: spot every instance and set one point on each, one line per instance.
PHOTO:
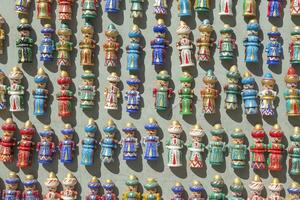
(130, 144)
(256, 186)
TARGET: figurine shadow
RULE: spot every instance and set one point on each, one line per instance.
(142, 21)
(4, 56)
(294, 120)
(181, 172)
(4, 114)
(296, 20)
(230, 20)
(254, 119)
(190, 21)
(295, 177)
(278, 21)
(263, 173)
(118, 17)
(236, 115)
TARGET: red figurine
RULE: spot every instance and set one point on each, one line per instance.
(258, 149)
(7, 141)
(65, 9)
(275, 149)
(25, 145)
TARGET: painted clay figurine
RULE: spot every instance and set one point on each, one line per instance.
(292, 93)
(2, 35)
(178, 191)
(46, 147)
(87, 90)
(65, 9)
(132, 95)
(108, 187)
(202, 6)
(216, 147)
(252, 42)
(226, 44)
(184, 8)
(25, 145)
(129, 143)
(94, 185)
(276, 149)
(294, 8)
(3, 91)
(89, 9)
(256, 186)
(134, 49)
(11, 191)
(47, 46)
(274, 48)
(196, 147)
(89, 143)
(162, 93)
(294, 153)
(267, 95)
(16, 90)
(52, 184)
(225, 8)
(249, 94)
(258, 149)
(43, 8)
(249, 8)
(132, 192)
(274, 8)
(196, 191)
(160, 44)
(25, 42)
(67, 146)
(294, 191)
(232, 88)
(22, 6)
(238, 149)
(112, 92)
(209, 94)
(217, 192)
(7, 141)
(186, 94)
(175, 145)
(69, 192)
(87, 46)
(151, 141)
(205, 42)
(151, 192)
(64, 47)
(160, 7)
(30, 188)
(185, 46)
(294, 47)
(40, 94)
(64, 96)
(111, 46)
(109, 143)
(237, 189)
(136, 8)
(275, 189)
(112, 6)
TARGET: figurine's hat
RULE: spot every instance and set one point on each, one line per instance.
(296, 136)
(29, 181)
(94, 183)
(151, 125)
(151, 184)
(233, 73)
(47, 29)
(258, 131)
(108, 184)
(111, 31)
(133, 80)
(88, 74)
(186, 78)
(274, 32)
(47, 132)
(129, 127)
(160, 27)
(238, 133)
(175, 128)
(268, 79)
(69, 180)
(64, 30)
(253, 25)
(206, 26)
(248, 78)
(110, 126)
(275, 185)
(296, 31)
(183, 29)
(12, 178)
(41, 76)
(217, 130)
(24, 25)
(276, 132)
(196, 187)
(16, 73)
(113, 77)
(91, 127)
(217, 182)
(197, 131)
(9, 125)
(135, 32)
(294, 188)
(87, 28)
(163, 75)
(210, 77)
(178, 188)
(28, 129)
(64, 78)
(237, 186)
(68, 130)
(52, 180)
(226, 29)
(132, 180)
(291, 76)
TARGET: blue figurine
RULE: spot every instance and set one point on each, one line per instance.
(134, 49)
(274, 48)
(151, 141)
(108, 143)
(112, 6)
(46, 147)
(89, 144)
(159, 44)
(132, 95)
(249, 94)
(252, 42)
(47, 46)
(67, 146)
(40, 94)
(129, 142)
(184, 8)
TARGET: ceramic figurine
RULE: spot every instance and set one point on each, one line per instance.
(40, 94)
(30, 189)
(160, 44)
(175, 145)
(274, 8)
(238, 149)
(67, 146)
(89, 9)
(217, 192)
(205, 42)
(112, 6)
(185, 46)
(256, 186)
(109, 143)
(267, 95)
(87, 46)
(237, 189)
(249, 8)
(43, 8)
(22, 6)
(292, 93)
(227, 43)
(25, 145)
(3, 91)
(2, 34)
(151, 192)
(274, 48)
(7, 141)
(294, 153)
(136, 8)
(252, 42)
(209, 94)
(294, 8)
(186, 94)
(16, 90)
(258, 149)
(108, 187)
(111, 46)
(132, 193)
(129, 143)
(178, 190)
(64, 47)
(151, 141)
(112, 92)
(196, 147)
(11, 191)
(65, 9)
(89, 143)
(184, 8)
(25, 43)
(132, 95)
(87, 90)
(232, 88)
(275, 189)
(52, 184)
(196, 191)
(294, 191)
(276, 149)
(160, 7)
(47, 46)
(249, 94)
(216, 147)
(294, 47)
(225, 8)
(69, 192)
(202, 6)
(162, 93)
(46, 147)
(134, 49)
(94, 185)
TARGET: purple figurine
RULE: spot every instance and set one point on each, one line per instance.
(67, 146)
(94, 186)
(151, 141)
(274, 8)
(274, 48)
(132, 95)
(129, 142)
(108, 187)
(178, 190)
(40, 94)
(47, 46)
(11, 191)
(46, 147)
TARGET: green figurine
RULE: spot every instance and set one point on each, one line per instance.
(238, 149)
(151, 192)
(132, 191)
(217, 147)
(186, 94)
(232, 88)
(237, 189)
(227, 43)
(162, 92)
(217, 189)
(87, 90)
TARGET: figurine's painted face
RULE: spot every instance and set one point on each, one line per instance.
(129, 134)
(177, 194)
(90, 134)
(46, 139)
(238, 141)
(186, 84)
(160, 35)
(204, 37)
(135, 39)
(268, 86)
(248, 86)
(196, 139)
(215, 189)
(113, 83)
(65, 86)
(88, 36)
(252, 32)
(25, 33)
(216, 138)
(52, 188)
(184, 36)
(152, 132)
(273, 38)
(111, 135)
(16, 81)
(69, 187)
(196, 194)
(8, 133)
(12, 186)
(174, 135)
(226, 35)
(26, 137)
(152, 191)
(32, 187)
(88, 82)
(291, 85)
(113, 39)
(233, 80)
(109, 191)
(132, 188)
(210, 85)
(47, 35)
(41, 85)
(296, 144)
(277, 139)
(68, 137)
(163, 83)
(133, 87)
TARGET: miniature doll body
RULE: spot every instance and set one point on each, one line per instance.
(237, 189)
(112, 92)
(209, 94)
(205, 42)
(2, 35)
(185, 46)
(64, 47)
(274, 8)
(22, 6)
(294, 153)
(162, 93)
(132, 95)
(184, 8)
(249, 8)
(186, 94)
(30, 191)
(151, 192)
(216, 147)
(132, 193)
(178, 190)
(267, 95)
(256, 186)
(44, 9)
(11, 191)
(238, 149)
(25, 42)
(294, 7)
(65, 9)
(217, 191)
(276, 149)
(111, 46)
(274, 48)
(69, 192)
(294, 191)
(108, 187)
(94, 186)
(112, 6)
(87, 90)
(249, 94)
(47, 45)
(275, 189)
(16, 90)
(252, 42)
(151, 141)
(196, 191)
(40, 94)
(294, 47)
(67, 146)
(3, 91)
(52, 183)
(7, 141)
(108, 143)
(232, 88)
(225, 8)
(258, 149)
(196, 147)
(226, 44)
(134, 49)
(46, 147)
(89, 8)
(87, 46)
(129, 143)
(292, 93)
(160, 7)
(136, 8)
(89, 144)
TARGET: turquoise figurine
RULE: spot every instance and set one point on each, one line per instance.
(294, 47)
(108, 143)
(217, 185)
(252, 42)
(87, 90)
(237, 189)
(89, 143)
(132, 192)
(134, 49)
(130, 143)
(196, 191)
(178, 191)
(226, 44)
(136, 8)
(249, 94)
(294, 153)
(40, 94)
(151, 141)
(232, 88)
(47, 46)
(216, 147)
(25, 43)
(132, 95)
(89, 8)
(274, 48)
(151, 190)
(184, 8)
(238, 149)
(67, 146)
